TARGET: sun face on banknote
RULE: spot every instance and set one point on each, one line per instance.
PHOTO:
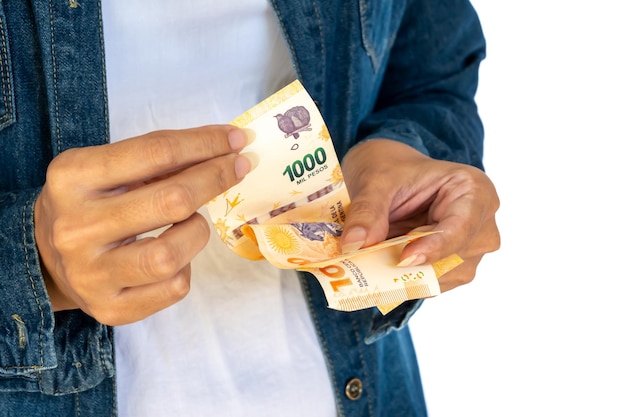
(282, 240)
(336, 176)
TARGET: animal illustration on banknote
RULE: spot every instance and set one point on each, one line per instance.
(293, 121)
(317, 231)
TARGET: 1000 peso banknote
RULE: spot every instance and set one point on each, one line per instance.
(290, 210)
(298, 176)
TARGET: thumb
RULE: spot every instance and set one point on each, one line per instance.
(367, 223)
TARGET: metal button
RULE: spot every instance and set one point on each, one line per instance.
(354, 389)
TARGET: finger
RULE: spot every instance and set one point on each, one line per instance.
(136, 303)
(171, 200)
(464, 214)
(369, 170)
(461, 275)
(154, 259)
(366, 221)
(454, 234)
(143, 157)
(433, 247)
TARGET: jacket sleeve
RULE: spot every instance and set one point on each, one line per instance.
(27, 320)
(41, 351)
(426, 99)
(52, 99)
(427, 94)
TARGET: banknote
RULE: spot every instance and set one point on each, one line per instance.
(310, 244)
(297, 177)
(291, 208)
(370, 277)
(373, 279)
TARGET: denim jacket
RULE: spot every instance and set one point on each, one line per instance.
(403, 69)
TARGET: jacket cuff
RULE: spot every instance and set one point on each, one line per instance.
(396, 319)
(39, 350)
(27, 320)
(409, 133)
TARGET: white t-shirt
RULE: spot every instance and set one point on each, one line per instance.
(242, 342)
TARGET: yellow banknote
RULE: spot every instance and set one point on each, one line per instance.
(290, 211)
(301, 245)
(373, 279)
(297, 176)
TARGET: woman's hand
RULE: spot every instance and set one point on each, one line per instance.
(395, 189)
(96, 201)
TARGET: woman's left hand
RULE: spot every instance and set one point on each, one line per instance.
(395, 189)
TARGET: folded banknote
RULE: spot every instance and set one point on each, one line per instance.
(290, 211)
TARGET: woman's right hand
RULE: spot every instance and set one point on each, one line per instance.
(96, 200)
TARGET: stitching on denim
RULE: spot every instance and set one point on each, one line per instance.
(369, 47)
(321, 29)
(23, 368)
(32, 283)
(100, 348)
(366, 378)
(54, 78)
(77, 402)
(6, 79)
(105, 97)
(103, 329)
(114, 396)
(320, 337)
(3, 71)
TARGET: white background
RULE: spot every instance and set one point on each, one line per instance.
(540, 331)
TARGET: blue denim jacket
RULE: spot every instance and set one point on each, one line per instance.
(403, 69)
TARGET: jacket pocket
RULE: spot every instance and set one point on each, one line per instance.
(379, 23)
(7, 104)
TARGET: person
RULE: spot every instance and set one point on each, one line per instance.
(107, 164)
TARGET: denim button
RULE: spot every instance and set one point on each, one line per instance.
(354, 389)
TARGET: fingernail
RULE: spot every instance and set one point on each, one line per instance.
(355, 238)
(244, 163)
(237, 139)
(413, 260)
